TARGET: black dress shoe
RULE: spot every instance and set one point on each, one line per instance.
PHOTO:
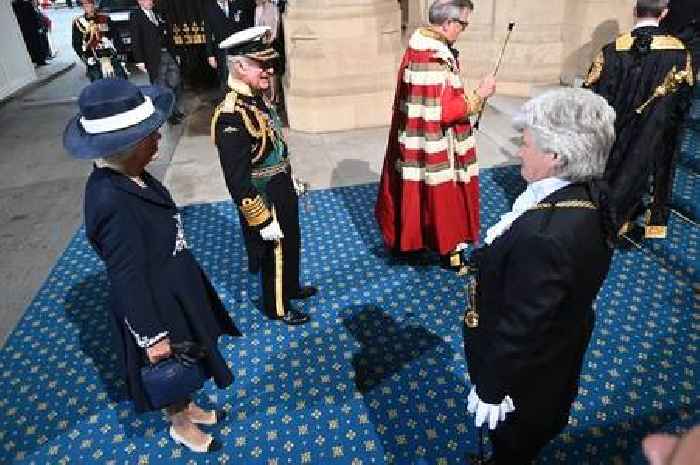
(294, 318)
(305, 292)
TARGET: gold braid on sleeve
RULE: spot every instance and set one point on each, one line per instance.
(255, 211)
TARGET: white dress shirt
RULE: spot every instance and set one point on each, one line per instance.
(534, 194)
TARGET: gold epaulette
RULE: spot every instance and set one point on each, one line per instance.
(255, 211)
(659, 42)
(227, 106)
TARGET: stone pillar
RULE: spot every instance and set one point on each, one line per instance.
(16, 70)
(342, 58)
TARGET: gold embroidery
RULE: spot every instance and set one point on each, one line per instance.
(624, 42)
(227, 106)
(655, 232)
(475, 102)
(255, 211)
(270, 171)
(659, 42)
(689, 69)
(596, 70)
(279, 270)
(431, 34)
(672, 82)
(566, 204)
(667, 43)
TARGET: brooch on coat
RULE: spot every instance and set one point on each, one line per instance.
(180, 240)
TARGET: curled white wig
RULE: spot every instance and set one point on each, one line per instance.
(575, 124)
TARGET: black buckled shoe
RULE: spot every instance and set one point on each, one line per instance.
(305, 292)
(294, 317)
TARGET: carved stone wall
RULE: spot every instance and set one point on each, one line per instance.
(343, 54)
(342, 57)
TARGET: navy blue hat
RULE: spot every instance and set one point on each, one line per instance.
(114, 116)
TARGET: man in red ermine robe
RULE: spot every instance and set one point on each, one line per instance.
(429, 189)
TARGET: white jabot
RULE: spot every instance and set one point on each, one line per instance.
(646, 22)
(534, 194)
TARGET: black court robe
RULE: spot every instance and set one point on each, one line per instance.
(154, 286)
(626, 73)
(537, 285)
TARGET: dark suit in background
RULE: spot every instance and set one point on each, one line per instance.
(152, 44)
(33, 30)
(537, 284)
(156, 285)
(218, 26)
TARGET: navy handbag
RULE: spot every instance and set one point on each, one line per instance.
(174, 379)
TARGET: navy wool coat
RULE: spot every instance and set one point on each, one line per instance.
(156, 285)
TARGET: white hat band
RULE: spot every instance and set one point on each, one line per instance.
(120, 121)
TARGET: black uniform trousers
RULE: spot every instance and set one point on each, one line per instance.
(280, 260)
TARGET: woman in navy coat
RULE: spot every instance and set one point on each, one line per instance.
(159, 295)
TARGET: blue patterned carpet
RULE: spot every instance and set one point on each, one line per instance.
(377, 378)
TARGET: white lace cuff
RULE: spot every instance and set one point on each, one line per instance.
(145, 341)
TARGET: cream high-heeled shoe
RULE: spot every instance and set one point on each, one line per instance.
(211, 445)
(219, 415)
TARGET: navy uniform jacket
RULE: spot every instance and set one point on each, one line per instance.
(537, 284)
(627, 72)
(156, 285)
(246, 136)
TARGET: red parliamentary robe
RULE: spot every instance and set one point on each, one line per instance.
(429, 189)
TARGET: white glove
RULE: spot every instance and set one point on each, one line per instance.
(492, 413)
(141, 66)
(300, 186)
(272, 232)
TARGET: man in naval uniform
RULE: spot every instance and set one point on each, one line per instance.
(646, 76)
(253, 153)
(93, 41)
